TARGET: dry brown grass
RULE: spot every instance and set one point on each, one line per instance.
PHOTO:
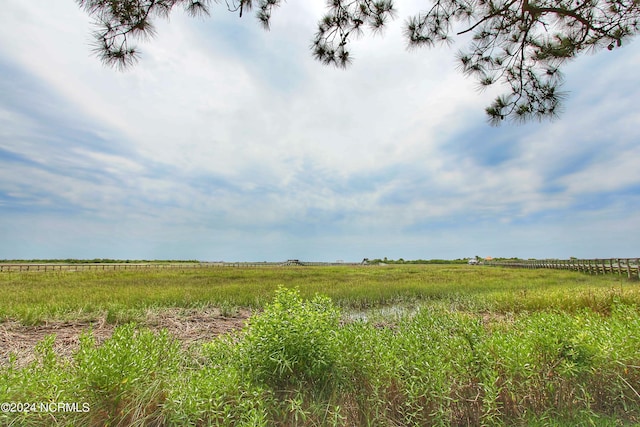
(188, 326)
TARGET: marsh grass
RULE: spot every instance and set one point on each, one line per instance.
(122, 382)
(126, 295)
(436, 345)
(295, 365)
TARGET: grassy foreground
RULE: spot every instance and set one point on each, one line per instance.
(482, 347)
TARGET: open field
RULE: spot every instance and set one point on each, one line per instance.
(393, 345)
(123, 295)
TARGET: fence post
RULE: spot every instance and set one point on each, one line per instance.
(628, 268)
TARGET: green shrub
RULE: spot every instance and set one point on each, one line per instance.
(216, 393)
(214, 396)
(125, 377)
(438, 366)
(46, 379)
(293, 342)
(369, 364)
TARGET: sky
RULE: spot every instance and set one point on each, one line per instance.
(229, 142)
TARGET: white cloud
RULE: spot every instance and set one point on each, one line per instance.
(224, 134)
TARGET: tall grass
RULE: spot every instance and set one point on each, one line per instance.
(294, 364)
(125, 295)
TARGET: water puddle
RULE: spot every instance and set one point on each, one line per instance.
(386, 313)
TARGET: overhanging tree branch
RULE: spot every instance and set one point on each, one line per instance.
(520, 44)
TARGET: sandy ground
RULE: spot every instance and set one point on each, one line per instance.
(188, 326)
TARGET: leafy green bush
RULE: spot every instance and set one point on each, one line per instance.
(438, 365)
(216, 393)
(125, 377)
(44, 380)
(282, 369)
(217, 396)
(293, 342)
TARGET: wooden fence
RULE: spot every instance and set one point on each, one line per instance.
(91, 266)
(629, 267)
(35, 267)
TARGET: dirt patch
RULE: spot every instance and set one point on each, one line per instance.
(187, 326)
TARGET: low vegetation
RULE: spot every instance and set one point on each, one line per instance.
(128, 295)
(379, 346)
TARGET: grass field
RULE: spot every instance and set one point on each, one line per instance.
(389, 346)
(124, 294)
